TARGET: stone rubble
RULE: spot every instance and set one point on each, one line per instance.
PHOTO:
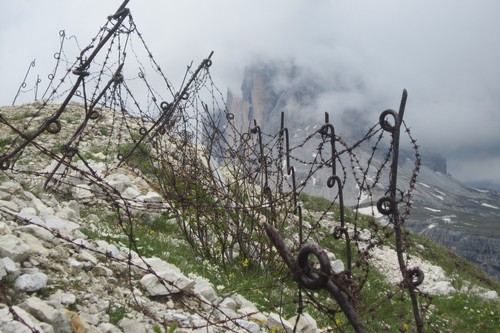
(62, 282)
(70, 283)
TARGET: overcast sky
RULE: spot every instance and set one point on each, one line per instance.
(446, 53)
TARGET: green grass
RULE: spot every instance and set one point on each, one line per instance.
(384, 308)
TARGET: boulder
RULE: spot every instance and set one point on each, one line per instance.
(9, 325)
(204, 288)
(31, 282)
(108, 328)
(171, 282)
(38, 232)
(34, 243)
(46, 313)
(247, 326)
(305, 324)
(55, 222)
(337, 266)
(10, 266)
(131, 193)
(82, 192)
(131, 326)
(276, 323)
(9, 205)
(119, 182)
(14, 248)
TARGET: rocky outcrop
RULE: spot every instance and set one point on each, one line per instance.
(54, 279)
(274, 87)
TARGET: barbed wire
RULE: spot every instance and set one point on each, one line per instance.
(240, 189)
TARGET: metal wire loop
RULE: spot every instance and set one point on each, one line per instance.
(70, 151)
(386, 205)
(338, 232)
(416, 276)
(94, 115)
(332, 180)
(4, 164)
(311, 278)
(53, 126)
(384, 123)
(165, 106)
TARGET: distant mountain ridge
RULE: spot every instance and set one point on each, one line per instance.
(459, 217)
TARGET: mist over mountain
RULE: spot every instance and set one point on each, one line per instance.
(460, 217)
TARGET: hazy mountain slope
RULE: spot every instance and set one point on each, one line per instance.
(461, 218)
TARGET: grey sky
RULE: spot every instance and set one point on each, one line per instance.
(445, 53)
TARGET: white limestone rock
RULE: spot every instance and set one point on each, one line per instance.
(9, 325)
(131, 326)
(55, 222)
(118, 181)
(67, 213)
(108, 328)
(172, 282)
(3, 271)
(337, 266)
(14, 248)
(204, 288)
(306, 323)
(5, 196)
(60, 299)
(276, 323)
(34, 243)
(9, 205)
(82, 192)
(48, 314)
(4, 228)
(10, 267)
(38, 232)
(131, 193)
(31, 282)
(247, 326)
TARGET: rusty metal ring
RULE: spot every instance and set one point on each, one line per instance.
(53, 126)
(384, 123)
(70, 151)
(164, 106)
(208, 63)
(308, 278)
(143, 130)
(386, 205)
(120, 157)
(416, 276)
(332, 180)
(4, 164)
(230, 116)
(268, 161)
(94, 115)
(338, 231)
(267, 191)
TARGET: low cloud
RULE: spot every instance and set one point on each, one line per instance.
(444, 53)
